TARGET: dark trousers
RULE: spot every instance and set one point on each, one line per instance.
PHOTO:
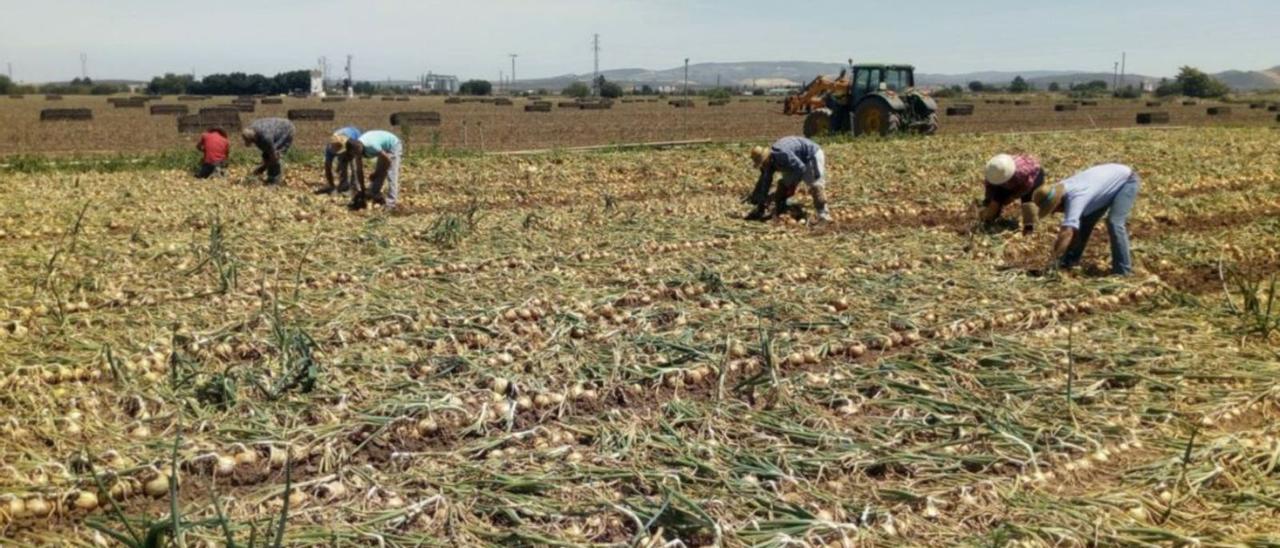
(207, 170)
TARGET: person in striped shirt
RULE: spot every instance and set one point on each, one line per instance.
(1011, 178)
(339, 139)
(386, 150)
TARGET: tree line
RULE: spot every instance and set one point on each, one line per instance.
(1190, 82)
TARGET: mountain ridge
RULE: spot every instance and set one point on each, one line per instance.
(793, 73)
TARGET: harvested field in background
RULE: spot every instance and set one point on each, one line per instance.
(640, 120)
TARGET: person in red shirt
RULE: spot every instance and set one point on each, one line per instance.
(216, 147)
(1008, 179)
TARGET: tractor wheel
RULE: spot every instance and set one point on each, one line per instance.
(817, 123)
(873, 117)
(930, 125)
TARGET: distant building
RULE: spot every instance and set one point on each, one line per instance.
(439, 83)
(317, 83)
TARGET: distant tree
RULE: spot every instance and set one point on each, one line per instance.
(476, 87)
(1019, 85)
(758, 92)
(106, 89)
(1055, 87)
(289, 82)
(576, 89)
(1192, 82)
(609, 90)
(976, 86)
(86, 81)
(1128, 92)
(170, 84)
(949, 91)
(6, 85)
(364, 88)
(1090, 88)
(719, 93)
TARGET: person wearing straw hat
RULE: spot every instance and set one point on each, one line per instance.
(796, 159)
(386, 150)
(337, 150)
(1084, 198)
(1010, 178)
(273, 137)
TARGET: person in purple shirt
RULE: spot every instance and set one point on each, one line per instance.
(1106, 190)
(796, 159)
(1011, 178)
(337, 141)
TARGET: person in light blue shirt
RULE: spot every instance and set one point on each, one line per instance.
(1106, 190)
(386, 150)
(338, 141)
(796, 159)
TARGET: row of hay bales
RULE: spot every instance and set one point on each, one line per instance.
(228, 118)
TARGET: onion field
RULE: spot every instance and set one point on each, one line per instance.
(595, 349)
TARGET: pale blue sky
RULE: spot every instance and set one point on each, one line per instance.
(403, 38)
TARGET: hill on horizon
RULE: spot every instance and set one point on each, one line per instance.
(794, 73)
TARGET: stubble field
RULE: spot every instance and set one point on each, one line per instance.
(485, 127)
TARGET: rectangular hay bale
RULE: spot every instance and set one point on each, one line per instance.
(65, 114)
(1218, 111)
(1147, 118)
(272, 101)
(960, 110)
(416, 118)
(310, 114)
(1065, 107)
(169, 109)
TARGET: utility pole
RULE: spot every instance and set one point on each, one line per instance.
(84, 66)
(350, 83)
(10, 66)
(686, 76)
(595, 73)
(1124, 59)
(513, 70)
(1115, 77)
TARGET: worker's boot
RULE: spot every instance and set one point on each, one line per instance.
(780, 206)
(757, 214)
(820, 203)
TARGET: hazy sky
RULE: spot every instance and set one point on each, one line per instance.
(137, 39)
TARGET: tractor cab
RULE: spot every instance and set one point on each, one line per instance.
(869, 79)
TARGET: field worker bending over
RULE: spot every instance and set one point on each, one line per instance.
(338, 142)
(385, 148)
(215, 146)
(273, 137)
(797, 159)
(1010, 178)
(1108, 189)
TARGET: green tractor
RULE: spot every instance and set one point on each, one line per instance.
(876, 100)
